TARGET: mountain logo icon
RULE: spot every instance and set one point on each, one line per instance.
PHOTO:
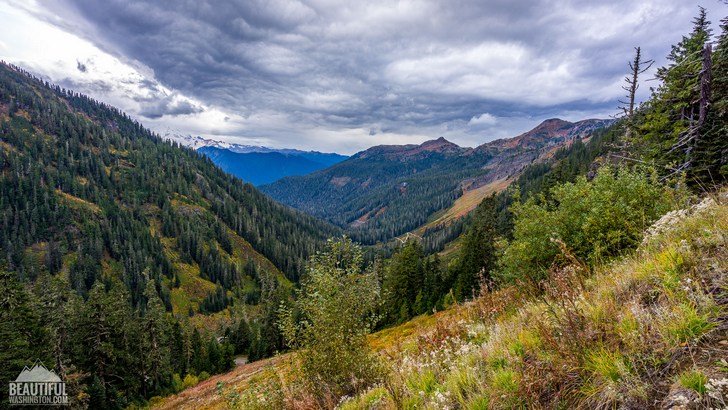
(38, 373)
(37, 386)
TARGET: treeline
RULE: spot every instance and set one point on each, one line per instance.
(112, 161)
(406, 203)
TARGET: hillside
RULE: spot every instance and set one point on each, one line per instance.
(388, 190)
(96, 204)
(648, 331)
(260, 168)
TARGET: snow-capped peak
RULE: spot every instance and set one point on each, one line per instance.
(194, 142)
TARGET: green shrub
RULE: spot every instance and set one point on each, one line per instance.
(177, 384)
(190, 380)
(330, 321)
(596, 219)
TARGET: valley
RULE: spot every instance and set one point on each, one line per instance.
(387, 191)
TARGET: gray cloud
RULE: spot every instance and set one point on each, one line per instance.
(462, 68)
(168, 106)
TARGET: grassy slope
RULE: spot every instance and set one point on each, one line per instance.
(645, 332)
(466, 203)
(649, 331)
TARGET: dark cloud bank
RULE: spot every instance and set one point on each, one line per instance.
(409, 67)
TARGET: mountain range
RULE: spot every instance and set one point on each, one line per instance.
(389, 190)
(256, 164)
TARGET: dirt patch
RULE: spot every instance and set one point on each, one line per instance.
(340, 181)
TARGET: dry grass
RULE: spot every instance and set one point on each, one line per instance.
(205, 395)
(618, 338)
(467, 202)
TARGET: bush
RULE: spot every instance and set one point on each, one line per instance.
(190, 380)
(330, 321)
(597, 220)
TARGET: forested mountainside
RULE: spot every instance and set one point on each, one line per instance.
(260, 168)
(386, 191)
(115, 227)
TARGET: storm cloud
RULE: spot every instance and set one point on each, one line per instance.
(328, 74)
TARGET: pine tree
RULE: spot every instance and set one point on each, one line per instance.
(478, 256)
(712, 150)
(198, 354)
(404, 280)
(155, 366)
(22, 337)
(179, 349)
(242, 337)
(674, 107)
(104, 341)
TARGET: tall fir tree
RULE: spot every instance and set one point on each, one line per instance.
(155, 366)
(712, 150)
(674, 105)
(478, 256)
(403, 282)
(23, 339)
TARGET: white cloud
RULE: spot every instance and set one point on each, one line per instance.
(483, 119)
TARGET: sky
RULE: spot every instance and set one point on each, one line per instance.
(341, 76)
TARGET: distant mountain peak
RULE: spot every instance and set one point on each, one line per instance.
(555, 121)
(440, 142)
(198, 142)
(440, 145)
(550, 131)
(403, 152)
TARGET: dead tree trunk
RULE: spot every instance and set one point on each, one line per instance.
(637, 67)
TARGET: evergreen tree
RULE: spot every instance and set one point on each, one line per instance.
(198, 353)
(155, 368)
(478, 256)
(404, 280)
(23, 339)
(674, 105)
(103, 340)
(242, 337)
(179, 348)
(712, 150)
